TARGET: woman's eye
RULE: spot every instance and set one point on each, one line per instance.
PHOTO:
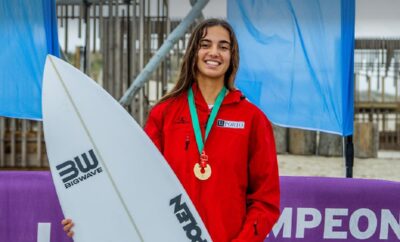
(224, 47)
(204, 45)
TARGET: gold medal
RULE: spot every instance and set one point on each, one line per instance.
(202, 173)
(202, 170)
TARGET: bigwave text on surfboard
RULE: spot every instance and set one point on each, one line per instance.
(75, 167)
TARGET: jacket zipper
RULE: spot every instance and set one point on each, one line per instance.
(255, 228)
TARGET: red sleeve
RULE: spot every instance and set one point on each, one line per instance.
(263, 195)
(153, 127)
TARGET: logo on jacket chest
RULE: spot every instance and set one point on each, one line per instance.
(181, 120)
(230, 124)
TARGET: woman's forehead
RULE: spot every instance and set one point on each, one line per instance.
(216, 33)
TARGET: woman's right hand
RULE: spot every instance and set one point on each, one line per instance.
(68, 224)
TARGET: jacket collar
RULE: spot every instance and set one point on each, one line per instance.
(234, 96)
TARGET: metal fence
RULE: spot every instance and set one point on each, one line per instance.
(117, 39)
(114, 39)
(377, 75)
(22, 144)
(110, 41)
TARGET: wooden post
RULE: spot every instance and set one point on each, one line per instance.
(281, 139)
(94, 16)
(2, 141)
(141, 55)
(77, 58)
(302, 142)
(87, 40)
(39, 145)
(24, 131)
(330, 144)
(12, 143)
(117, 54)
(366, 140)
(66, 30)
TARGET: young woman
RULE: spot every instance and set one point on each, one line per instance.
(220, 146)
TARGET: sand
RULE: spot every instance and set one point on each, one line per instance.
(385, 167)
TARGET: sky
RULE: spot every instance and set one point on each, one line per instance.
(377, 18)
(374, 18)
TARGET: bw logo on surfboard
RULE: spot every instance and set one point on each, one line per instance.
(79, 169)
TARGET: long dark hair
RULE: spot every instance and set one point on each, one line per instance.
(189, 65)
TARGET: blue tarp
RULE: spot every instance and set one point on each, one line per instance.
(28, 32)
(296, 60)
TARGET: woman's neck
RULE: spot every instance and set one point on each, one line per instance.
(210, 89)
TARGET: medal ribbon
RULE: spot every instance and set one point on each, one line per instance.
(195, 118)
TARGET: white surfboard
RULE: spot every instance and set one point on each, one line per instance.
(110, 178)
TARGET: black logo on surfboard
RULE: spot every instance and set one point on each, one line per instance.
(79, 169)
(185, 216)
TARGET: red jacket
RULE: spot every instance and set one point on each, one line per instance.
(240, 201)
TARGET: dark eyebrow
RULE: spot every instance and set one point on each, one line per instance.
(220, 42)
(225, 42)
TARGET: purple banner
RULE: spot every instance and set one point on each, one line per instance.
(27, 201)
(338, 209)
(313, 209)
